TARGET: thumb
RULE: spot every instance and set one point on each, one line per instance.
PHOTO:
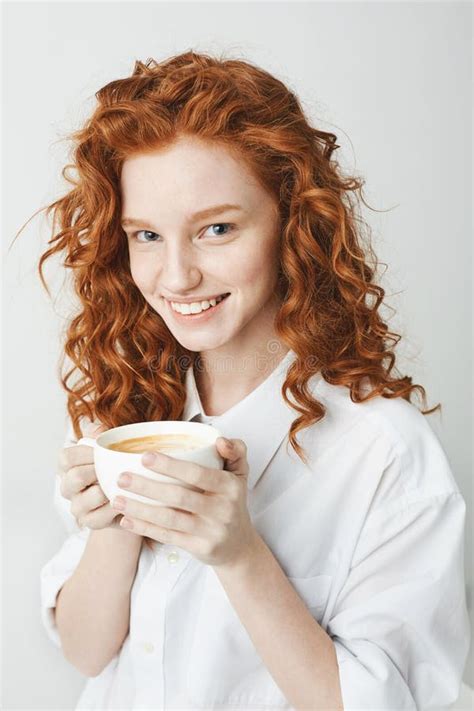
(234, 451)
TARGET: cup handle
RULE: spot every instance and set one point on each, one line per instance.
(89, 441)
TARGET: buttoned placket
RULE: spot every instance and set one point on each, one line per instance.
(170, 561)
(148, 639)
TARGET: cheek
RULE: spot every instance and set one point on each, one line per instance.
(141, 273)
(257, 270)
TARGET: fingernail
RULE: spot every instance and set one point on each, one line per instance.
(119, 503)
(228, 442)
(125, 480)
(148, 458)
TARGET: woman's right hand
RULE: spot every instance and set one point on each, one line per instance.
(89, 505)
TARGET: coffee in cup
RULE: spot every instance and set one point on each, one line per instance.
(167, 443)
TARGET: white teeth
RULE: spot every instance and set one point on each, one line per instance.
(196, 306)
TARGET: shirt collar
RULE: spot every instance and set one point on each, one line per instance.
(261, 419)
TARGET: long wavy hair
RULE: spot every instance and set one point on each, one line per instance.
(126, 366)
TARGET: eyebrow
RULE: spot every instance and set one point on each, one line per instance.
(202, 214)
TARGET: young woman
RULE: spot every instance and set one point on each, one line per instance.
(217, 258)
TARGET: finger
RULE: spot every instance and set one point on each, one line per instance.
(75, 456)
(234, 451)
(102, 517)
(77, 479)
(205, 504)
(158, 533)
(93, 497)
(174, 495)
(88, 500)
(213, 480)
(163, 516)
(78, 454)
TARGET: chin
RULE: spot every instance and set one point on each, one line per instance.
(201, 342)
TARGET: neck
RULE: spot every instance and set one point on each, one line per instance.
(223, 381)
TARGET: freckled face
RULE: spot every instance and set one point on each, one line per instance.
(176, 255)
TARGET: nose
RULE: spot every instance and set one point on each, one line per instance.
(179, 271)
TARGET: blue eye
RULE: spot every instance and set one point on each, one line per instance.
(230, 227)
(148, 232)
(223, 224)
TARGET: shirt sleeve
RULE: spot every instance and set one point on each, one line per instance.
(62, 565)
(400, 626)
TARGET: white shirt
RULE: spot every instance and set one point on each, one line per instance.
(371, 536)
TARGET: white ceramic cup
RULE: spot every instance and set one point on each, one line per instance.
(110, 463)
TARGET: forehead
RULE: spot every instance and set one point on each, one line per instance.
(189, 174)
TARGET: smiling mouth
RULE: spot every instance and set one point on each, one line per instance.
(196, 308)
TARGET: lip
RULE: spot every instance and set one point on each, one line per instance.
(196, 318)
(195, 299)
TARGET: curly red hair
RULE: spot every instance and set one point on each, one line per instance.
(131, 367)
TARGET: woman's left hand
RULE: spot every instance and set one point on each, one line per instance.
(213, 525)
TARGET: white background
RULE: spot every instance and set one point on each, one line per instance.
(391, 80)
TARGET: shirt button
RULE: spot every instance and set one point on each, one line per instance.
(173, 557)
(148, 647)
